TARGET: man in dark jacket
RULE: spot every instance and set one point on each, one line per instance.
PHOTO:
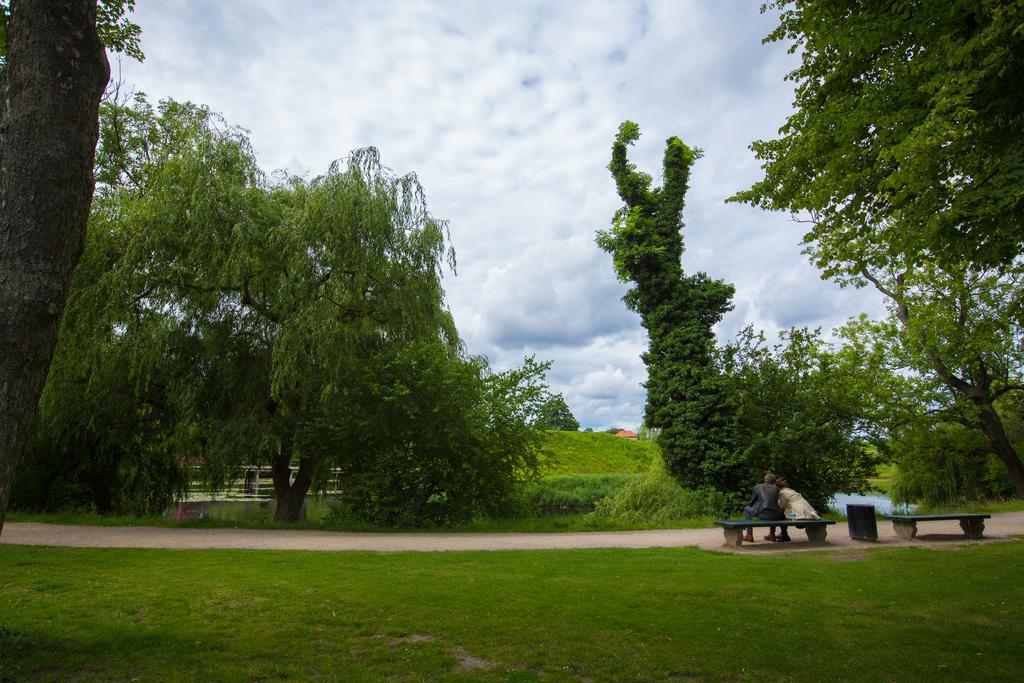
(764, 504)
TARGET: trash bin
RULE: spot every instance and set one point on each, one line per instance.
(861, 519)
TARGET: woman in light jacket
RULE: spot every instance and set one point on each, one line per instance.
(794, 506)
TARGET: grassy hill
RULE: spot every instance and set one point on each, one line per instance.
(595, 453)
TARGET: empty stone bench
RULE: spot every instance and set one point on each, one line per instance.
(905, 526)
(733, 528)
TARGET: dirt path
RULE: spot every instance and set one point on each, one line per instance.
(1001, 527)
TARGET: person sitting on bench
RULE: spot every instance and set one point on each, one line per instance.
(794, 506)
(764, 504)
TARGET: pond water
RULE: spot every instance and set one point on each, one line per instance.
(883, 506)
(247, 509)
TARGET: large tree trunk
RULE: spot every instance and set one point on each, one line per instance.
(50, 92)
(290, 495)
(282, 475)
(993, 428)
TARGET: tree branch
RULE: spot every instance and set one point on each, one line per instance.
(1005, 389)
(262, 309)
(903, 314)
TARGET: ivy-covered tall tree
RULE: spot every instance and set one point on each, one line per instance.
(686, 396)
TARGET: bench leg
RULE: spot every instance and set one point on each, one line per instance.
(905, 530)
(816, 535)
(733, 537)
(973, 528)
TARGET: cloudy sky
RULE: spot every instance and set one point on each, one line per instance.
(506, 111)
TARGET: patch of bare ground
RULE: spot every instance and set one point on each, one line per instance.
(849, 555)
(413, 638)
(468, 662)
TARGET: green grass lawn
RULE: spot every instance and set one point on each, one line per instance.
(602, 615)
(989, 506)
(595, 453)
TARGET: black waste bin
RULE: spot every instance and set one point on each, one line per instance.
(861, 519)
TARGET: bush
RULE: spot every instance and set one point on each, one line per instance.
(946, 463)
(106, 480)
(798, 415)
(428, 438)
(102, 442)
(656, 499)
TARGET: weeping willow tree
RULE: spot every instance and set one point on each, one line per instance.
(278, 288)
(686, 396)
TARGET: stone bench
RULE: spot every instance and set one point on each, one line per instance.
(905, 526)
(733, 528)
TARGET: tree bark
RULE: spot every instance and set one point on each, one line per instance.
(282, 475)
(993, 428)
(49, 124)
(303, 480)
(291, 495)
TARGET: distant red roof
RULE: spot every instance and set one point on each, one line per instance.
(626, 434)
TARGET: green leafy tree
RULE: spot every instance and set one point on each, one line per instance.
(686, 397)
(905, 155)
(284, 286)
(113, 433)
(801, 413)
(426, 437)
(555, 413)
(954, 335)
(908, 127)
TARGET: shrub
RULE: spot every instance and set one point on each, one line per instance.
(945, 463)
(656, 498)
(429, 438)
(798, 415)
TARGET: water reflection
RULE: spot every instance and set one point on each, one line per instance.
(245, 510)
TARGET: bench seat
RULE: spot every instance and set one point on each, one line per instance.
(733, 528)
(905, 526)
